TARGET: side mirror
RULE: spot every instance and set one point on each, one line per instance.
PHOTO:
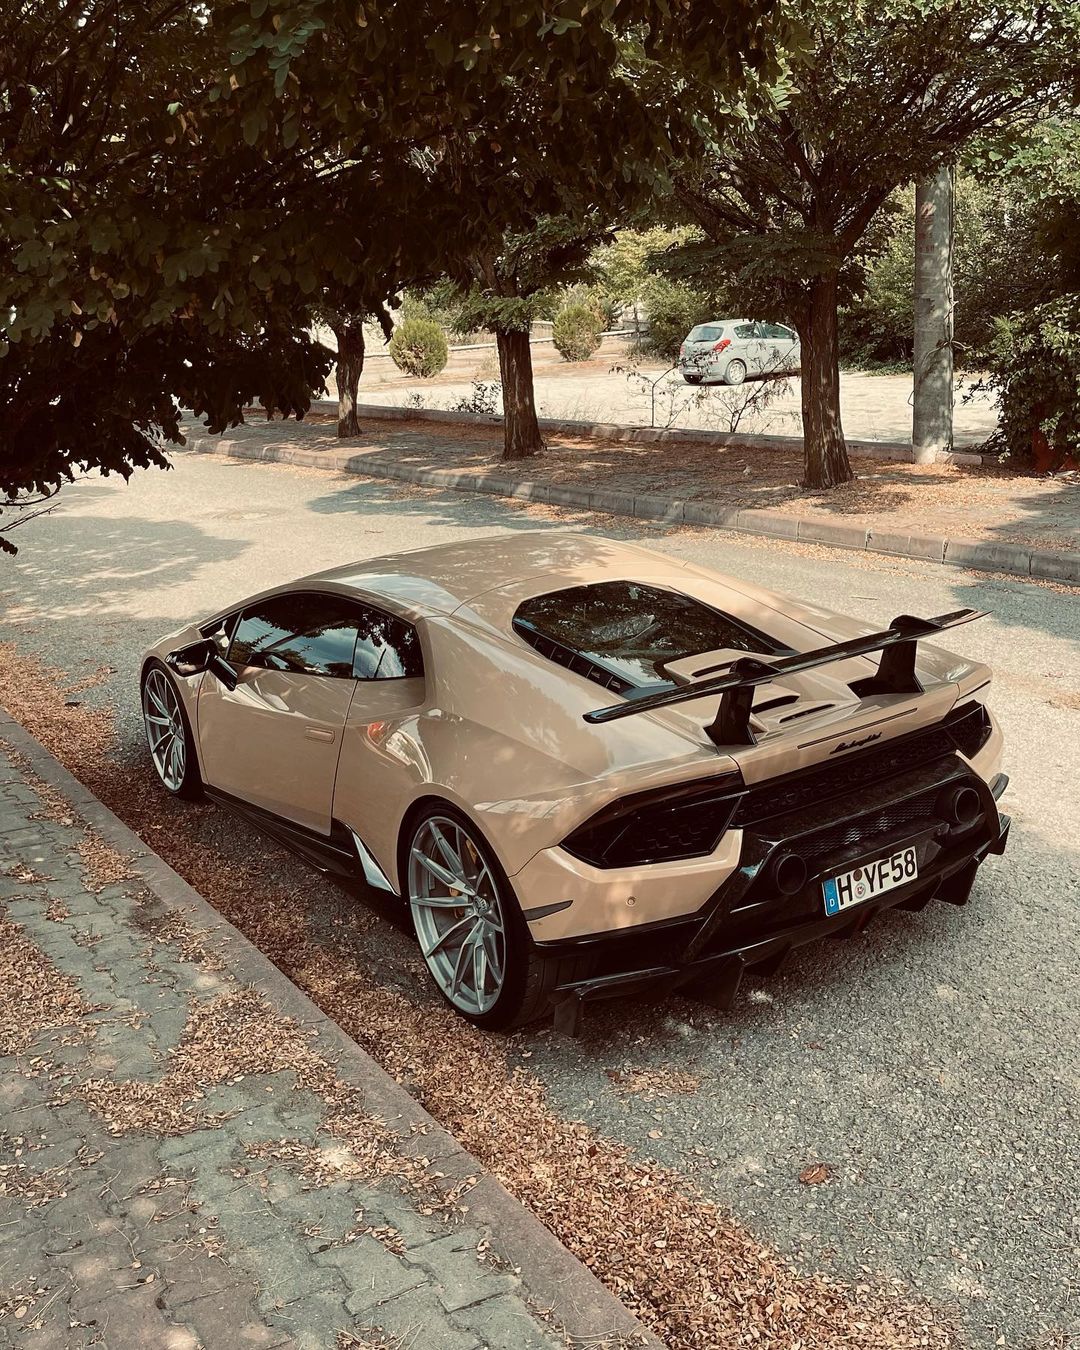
(200, 656)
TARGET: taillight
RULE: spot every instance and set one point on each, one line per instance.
(682, 822)
(719, 346)
(970, 728)
(682, 348)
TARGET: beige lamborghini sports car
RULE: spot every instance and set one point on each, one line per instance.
(586, 768)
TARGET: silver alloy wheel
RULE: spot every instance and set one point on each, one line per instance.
(164, 729)
(736, 372)
(458, 914)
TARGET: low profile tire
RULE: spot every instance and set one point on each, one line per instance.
(735, 373)
(168, 734)
(469, 924)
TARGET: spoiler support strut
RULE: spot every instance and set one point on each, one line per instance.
(731, 726)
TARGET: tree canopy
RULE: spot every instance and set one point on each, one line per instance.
(181, 186)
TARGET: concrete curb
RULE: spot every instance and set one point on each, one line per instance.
(554, 1279)
(893, 451)
(974, 554)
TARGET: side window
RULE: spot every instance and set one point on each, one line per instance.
(777, 330)
(306, 634)
(744, 331)
(386, 648)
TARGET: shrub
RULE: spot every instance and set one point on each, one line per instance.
(595, 297)
(672, 310)
(486, 397)
(1034, 369)
(418, 347)
(577, 332)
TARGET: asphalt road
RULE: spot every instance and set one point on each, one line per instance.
(932, 1064)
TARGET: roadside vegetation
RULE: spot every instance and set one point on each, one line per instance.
(418, 347)
(576, 332)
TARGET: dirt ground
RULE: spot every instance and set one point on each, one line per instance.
(615, 386)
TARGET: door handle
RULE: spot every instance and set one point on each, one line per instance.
(317, 734)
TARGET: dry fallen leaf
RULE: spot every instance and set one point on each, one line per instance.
(815, 1174)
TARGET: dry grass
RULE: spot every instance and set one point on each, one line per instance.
(695, 1276)
(371, 1338)
(20, 1300)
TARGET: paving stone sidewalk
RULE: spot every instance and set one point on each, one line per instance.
(185, 1165)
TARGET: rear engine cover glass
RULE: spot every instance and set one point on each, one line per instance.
(630, 630)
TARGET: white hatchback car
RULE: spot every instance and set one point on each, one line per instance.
(729, 350)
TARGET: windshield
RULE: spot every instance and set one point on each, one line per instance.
(630, 630)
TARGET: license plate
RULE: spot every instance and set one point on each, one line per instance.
(870, 880)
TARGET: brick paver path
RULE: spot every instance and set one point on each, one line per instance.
(178, 1167)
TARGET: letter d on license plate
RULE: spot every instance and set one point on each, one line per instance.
(870, 880)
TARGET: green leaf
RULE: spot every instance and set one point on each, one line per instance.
(442, 48)
(252, 125)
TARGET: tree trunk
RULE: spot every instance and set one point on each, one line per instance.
(350, 365)
(932, 415)
(521, 431)
(823, 435)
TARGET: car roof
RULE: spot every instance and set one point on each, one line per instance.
(444, 577)
(713, 323)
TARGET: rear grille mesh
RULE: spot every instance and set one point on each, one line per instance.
(967, 730)
(865, 829)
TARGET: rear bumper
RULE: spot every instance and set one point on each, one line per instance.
(708, 956)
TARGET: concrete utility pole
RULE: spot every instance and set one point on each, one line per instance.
(932, 419)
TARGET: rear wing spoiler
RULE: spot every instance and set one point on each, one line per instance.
(731, 726)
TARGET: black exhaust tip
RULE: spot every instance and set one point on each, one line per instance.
(789, 873)
(960, 806)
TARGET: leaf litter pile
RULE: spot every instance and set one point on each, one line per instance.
(234, 1036)
(695, 1276)
(102, 865)
(667, 1081)
(33, 993)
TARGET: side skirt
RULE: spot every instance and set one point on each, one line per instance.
(342, 853)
